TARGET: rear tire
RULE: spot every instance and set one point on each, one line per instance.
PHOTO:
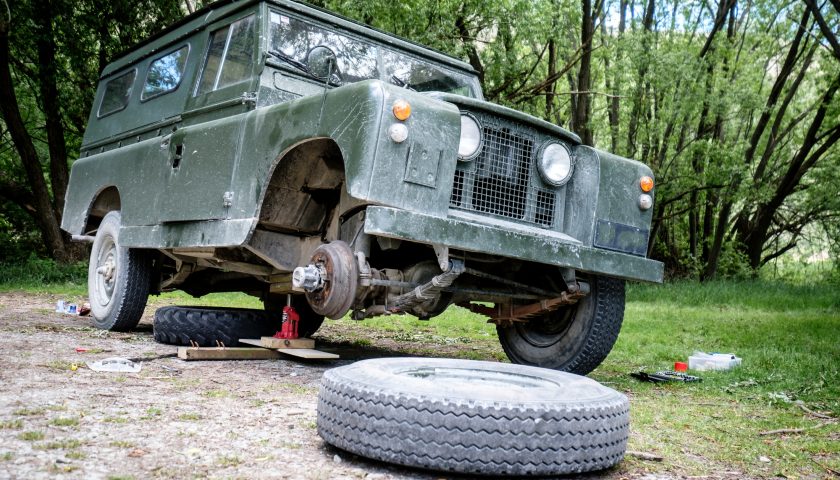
(118, 279)
(576, 338)
(209, 326)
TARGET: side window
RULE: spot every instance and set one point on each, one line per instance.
(117, 92)
(230, 56)
(165, 73)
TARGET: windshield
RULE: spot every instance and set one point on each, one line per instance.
(356, 60)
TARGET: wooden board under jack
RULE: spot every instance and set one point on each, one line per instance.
(296, 347)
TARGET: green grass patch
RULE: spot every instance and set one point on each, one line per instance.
(64, 422)
(31, 436)
(44, 275)
(75, 455)
(218, 393)
(229, 461)
(28, 412)
(189, 417)
(66, 444)
(16, 424)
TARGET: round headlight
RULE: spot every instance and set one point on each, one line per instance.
(470, 143)
(555, 164)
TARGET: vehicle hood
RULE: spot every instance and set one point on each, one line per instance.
(469, 103)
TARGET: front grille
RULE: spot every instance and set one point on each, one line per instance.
(500, 180)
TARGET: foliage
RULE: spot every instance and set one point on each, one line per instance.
(735, 105)
(39, 273)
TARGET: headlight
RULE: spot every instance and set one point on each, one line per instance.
(470, 138)
(555, 164)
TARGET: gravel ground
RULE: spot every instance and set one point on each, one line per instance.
(174, 419)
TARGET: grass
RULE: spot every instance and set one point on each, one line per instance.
(64, 422)
(16, 424)
(31, 436)
(67, 444)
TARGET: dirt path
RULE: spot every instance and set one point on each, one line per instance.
(175, 419)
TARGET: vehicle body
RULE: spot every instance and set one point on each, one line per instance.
(234, 152)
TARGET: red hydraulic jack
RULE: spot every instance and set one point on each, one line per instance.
(289, 325)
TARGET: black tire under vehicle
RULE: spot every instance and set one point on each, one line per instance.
(473, 417)
(310, 321)
(574, 339)
(209, 326)
(118, 278)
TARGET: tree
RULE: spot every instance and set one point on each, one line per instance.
(51, 53)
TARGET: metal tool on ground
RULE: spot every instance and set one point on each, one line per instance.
(665, 377)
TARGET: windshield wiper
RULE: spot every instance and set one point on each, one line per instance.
(302, 67)
(291, 61)
(401, 83)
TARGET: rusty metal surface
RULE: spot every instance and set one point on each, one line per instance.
(507, 314)
(341, 277)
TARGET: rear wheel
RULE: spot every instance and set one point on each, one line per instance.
(118, 279)
(576, 338)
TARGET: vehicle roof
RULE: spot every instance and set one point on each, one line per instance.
(222, 8)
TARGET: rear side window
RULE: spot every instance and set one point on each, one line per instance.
(165, 73)
(229, 57)
(117, 93)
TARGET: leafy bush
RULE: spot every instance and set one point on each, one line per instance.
(35, 272)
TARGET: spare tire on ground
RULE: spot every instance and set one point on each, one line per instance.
(209, 326)
(473, 417)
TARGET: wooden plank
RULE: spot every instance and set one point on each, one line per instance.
(271, 342)
(227, 353)
(308, 353)
(251, 341)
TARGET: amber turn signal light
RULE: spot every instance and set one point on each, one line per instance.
(646, 183)
(402, 110)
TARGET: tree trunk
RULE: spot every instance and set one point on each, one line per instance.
(59, 171)
(642, 83)
(44, 214)
(583, 107)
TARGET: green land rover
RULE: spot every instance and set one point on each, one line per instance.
(276, 149)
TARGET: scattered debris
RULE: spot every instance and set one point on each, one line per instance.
(763, 459)
(665, 376)
(680, 367)
(62, 306)
(115, 364)
(787, 431)
(702, 361)
(650, 457)
(801, 404)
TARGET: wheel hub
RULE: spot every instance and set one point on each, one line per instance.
(106, 271)
(330, 280)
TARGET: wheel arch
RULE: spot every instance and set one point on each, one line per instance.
(303, 187)
(107, 199)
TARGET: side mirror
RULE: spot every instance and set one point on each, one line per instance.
(321, 61)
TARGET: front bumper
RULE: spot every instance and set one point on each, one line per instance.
(523, 244)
